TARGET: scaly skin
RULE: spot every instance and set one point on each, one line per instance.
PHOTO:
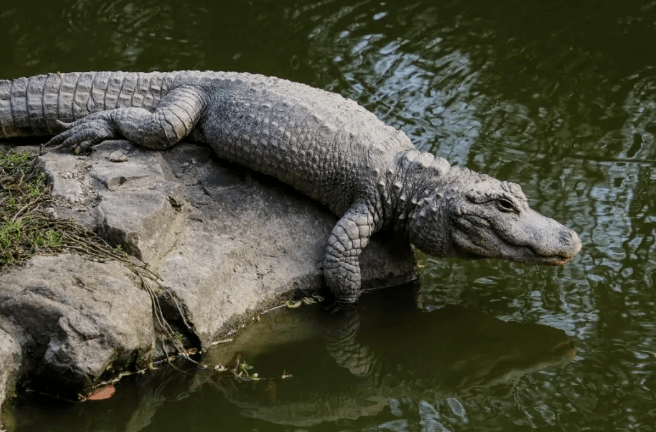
(324, 145)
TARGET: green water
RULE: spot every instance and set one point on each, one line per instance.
(557, 96)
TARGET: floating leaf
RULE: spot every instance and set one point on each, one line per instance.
(294, 305)
(102, 393)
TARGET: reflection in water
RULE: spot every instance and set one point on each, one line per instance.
(398, 353)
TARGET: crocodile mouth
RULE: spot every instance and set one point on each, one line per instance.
(489, 244)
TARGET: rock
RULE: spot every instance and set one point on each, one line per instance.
(62, 171)
(81, 316)
(10, 361)
(117, 156)
(257, 239)
(225, 240)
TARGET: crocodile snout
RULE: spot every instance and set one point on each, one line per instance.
(571, 243)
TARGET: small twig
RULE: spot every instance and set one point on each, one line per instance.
(36, 200)
(182, 315)
(221, 341)
(20, 180)
(273, 308)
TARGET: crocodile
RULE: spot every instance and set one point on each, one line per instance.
(324, 145)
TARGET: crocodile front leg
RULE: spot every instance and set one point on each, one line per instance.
(173, 119)
(345, 244)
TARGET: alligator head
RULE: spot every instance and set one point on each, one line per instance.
(472, 215)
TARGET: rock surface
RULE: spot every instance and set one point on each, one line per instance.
(10, 361)
(81, 316)
(225, 240)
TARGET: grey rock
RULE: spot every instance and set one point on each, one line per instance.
(10, 361)
(257, 239)
(66, 183)
(225, 240)
(81, 317)
(331, 149)
(118, 157)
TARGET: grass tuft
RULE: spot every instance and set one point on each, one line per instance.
(24, 227)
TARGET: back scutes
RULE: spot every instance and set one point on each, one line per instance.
(30, 106)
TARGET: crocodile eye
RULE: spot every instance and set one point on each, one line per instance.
(504, 205)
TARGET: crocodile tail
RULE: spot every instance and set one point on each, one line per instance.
(31, 106)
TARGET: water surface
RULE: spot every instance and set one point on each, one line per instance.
(557, 96)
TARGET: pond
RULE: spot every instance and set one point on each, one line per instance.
(557, 96)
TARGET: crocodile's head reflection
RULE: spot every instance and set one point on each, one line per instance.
(491, 355)
(375, 356)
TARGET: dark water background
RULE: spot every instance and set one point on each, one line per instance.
(558, 96)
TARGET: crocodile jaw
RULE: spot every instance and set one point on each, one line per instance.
(527, 237)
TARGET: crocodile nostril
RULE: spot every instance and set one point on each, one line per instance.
(573, 241)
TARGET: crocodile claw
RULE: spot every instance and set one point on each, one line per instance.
(83, 134)
(63, 125)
